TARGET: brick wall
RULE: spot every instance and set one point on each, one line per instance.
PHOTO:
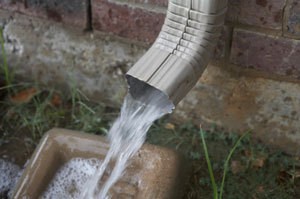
(266, 36)
(260, 35)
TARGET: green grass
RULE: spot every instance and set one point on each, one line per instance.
(226, 165)
(39, 115)
(27, 122)
(22, 126)
(251, 181)
(210, 170)
(216, 190)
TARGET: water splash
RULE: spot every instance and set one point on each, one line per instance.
(127, 135)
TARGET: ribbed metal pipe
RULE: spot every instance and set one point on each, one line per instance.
(182, 50)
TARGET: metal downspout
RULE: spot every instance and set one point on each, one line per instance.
(182, 50)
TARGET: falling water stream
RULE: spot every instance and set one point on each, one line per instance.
(80, 178)
(127, 135)
(141, 107)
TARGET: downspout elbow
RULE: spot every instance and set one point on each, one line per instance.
(181, 52)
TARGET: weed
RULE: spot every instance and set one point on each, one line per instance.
(21, 125)
(85, 118)
(210, 170)
(251, 180)
(216, 191)
(5, 68)
(35, 115)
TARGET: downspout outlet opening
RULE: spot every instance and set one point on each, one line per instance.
(147, 94)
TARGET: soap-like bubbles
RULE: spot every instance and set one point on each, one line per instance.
(70, 179)
(9, 175)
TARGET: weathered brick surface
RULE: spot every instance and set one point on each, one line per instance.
(125, 21)
(261, 13)
(292, 19)
(55, 54)
(266, 53)
(223, 44)
(152, 2)
(67, 11)
(14, 5)
(240, 102)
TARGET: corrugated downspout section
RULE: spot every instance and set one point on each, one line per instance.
(183, 48)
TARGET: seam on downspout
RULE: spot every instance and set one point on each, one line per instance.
(186, 24)
(190, 2)
(183, 48)
(176, 44)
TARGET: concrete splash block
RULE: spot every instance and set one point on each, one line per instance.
(154, 172)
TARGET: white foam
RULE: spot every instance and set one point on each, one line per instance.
(70, 179)
(9, 175)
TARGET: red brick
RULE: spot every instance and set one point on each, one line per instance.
(261, 13)
(292, 19)
(13, 5)
(135, 23)
(125, 21)
(152, 2)
(266, 53)
(67, 11)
